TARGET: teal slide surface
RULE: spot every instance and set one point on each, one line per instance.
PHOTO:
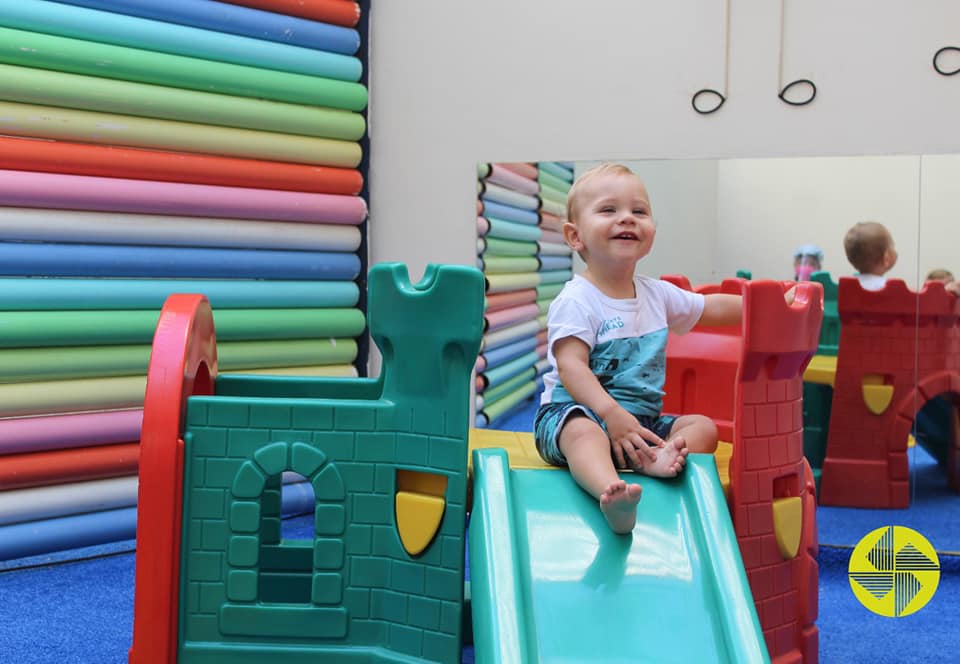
(551, 583)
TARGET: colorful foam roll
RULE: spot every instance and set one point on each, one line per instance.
(509, 212)
(553, 207)
(553, 249)
(555, 170)
(549, 291)
(503, 354)
(34, 49)
(525, 169)
(508, 230)
(35, 225)
(100, 260)
(493, 264)
(25, 154)
(502, 336)
(495, 393)
(48, 502)
(497, 375)
(113, 129)
(112, 28)
(497, 194)
(38, 329)
(87, 294)
(495, 410)
(36, 434)
(550, 180)
(506, 178)
(337, 12)
(70, 532)
(483, 170)
(231, 19)
(551, 222)
(19, 471)
(71, 396)
(553, 195)
(549, 263)
(26, 365)
(92, 93)
(497, 319)
(483, 226)
(499, 247)
(326, 370)
(555, 276)
(497, 301)
(551, 237)
(496, 283)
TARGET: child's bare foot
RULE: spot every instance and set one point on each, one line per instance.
(619, 505)
(671, 458)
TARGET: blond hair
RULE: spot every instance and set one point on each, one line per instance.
(939, 274)
(576, 191)
(866, 244)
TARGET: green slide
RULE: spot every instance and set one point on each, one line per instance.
(551, 583)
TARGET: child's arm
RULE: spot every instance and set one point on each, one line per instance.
(626, 435)
(721, 309)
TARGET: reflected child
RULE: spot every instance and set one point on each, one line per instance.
(871, 251)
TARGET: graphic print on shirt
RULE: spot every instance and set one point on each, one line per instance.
(632, 370)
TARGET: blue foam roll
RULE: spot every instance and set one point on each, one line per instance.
(503, 354)
(510, 230)
(556, 262)
(236, 20)
(298, 498)
(509, 212)
(98, 260)
(70, 532)
(481, 421)
(80, 23)
(555, 276)
(93, 294)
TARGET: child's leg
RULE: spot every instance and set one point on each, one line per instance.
(587, 450)
(698, 432)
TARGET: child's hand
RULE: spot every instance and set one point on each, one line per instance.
(952, 287)
(629, 440)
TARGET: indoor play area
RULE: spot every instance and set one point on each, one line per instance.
(274, 286)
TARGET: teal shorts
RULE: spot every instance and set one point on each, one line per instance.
(552, 416)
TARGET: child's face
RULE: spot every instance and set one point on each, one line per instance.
(614, 222)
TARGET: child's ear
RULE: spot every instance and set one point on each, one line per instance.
(572, 235)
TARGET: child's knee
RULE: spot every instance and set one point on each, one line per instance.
(700, 434)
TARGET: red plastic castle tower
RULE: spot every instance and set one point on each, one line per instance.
(749, 380)
(898, 350)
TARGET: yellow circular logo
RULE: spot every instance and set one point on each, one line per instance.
(894, 571)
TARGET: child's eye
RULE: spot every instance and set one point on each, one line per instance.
(640, 211)
(607, 209)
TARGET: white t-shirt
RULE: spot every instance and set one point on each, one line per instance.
(872, 281)
(627, 338)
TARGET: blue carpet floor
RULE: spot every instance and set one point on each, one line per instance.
(77, 606)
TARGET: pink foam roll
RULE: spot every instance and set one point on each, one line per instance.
(57, 432)
(483, 226)
(551, 236)
(504, 317)
(480, 364)
(511, 180)
(525, 169)
(82, 192)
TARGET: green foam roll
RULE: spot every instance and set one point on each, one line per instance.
(555, 276)
(112, 129)
(554, 207)
(493, 264)
(492, 394)
(27, 365)
(508, 370)
(501, 406)
(549, 180)
(554, 196)
(28, 294)
(483, 170)
(90, 93)
(26, 329)
(549, 291)
(555, 170)
(499, 247)
(498, 283)
(544, 305)
(34, 49)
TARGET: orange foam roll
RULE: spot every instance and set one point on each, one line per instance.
(19, 471)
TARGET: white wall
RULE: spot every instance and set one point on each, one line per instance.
(454, 83)
(940, 214)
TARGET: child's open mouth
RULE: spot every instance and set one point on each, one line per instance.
(625, 236)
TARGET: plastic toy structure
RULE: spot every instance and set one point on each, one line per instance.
(382, 578)
(739, 584)
(898, 350)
